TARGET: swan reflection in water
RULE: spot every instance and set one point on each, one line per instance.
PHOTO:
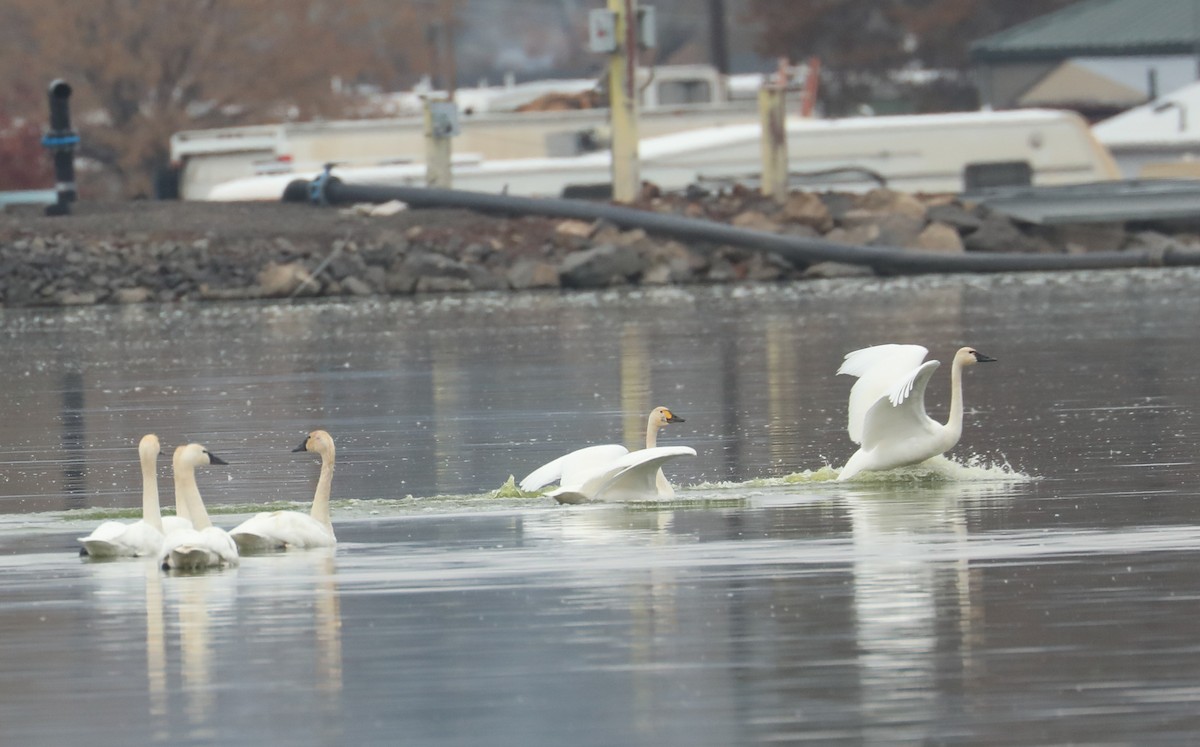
(201, 629)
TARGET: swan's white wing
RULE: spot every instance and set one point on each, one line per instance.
(175, 524)
(573, 467)
(192, 550)
(633, 476)
(112, 539)
(280, 530)
(878, 369)
(900, 414)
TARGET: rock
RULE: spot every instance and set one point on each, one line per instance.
(388, 208)
(74, 298)
(865, 235)
(807, 209)
(766, 266)
(279, 281)
(528, 274)
(356, 287)
(956, 216)
(659, 274)
(1079, 238)
(939, 237)
(755, 221)
(140, 294)
(899, 229)
(836, 270)
(1152, 242)
(889, 201)
(483, 279)
(859, 217)
(600, 267)
(442, 284)
(575, 229)
(998, 233)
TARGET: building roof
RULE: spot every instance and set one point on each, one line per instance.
(1098, 28)
(1168, 121)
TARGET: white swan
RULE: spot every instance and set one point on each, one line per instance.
(282, 530)
(203, 545)
(610, 471)
(887, 406)
(115, 539)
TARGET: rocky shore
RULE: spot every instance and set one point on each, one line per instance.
(140, 252)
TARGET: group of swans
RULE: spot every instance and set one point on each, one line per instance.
(886, 417)
(189, 541)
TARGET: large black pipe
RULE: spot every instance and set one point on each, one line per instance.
(61, 140)
(798, 250)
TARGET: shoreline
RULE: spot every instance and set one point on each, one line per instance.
(143, 252)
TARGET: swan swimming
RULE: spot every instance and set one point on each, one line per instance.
(887, 406)
(115, 539)
(610, 471)
(202, 545)
(283, 530)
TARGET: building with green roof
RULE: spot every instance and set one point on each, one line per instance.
(1097, 56)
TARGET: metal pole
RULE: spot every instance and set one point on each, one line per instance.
(623, 105)
(61, 140)
(437, 148)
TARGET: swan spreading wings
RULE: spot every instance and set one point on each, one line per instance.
(887, 406)
(284, 530)
(610, 471)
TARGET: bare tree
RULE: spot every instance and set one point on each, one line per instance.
(143, 69)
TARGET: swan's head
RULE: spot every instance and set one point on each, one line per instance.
(149, 448)
(661, 416)
(971, 356)
(195, 455)
(318, 442)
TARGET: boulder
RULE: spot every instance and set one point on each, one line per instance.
(600, 267)
(755, 221)
(528, 274)
(807, 209)
(956, 216)
(939, 237)
(283, 280)
(890, 201)
(822, 270)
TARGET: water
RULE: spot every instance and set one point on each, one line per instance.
(1038, 588)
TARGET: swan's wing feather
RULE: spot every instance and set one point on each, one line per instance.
(112, 539)
(900, 414)
(634, 475)
(571, 467)
(914, 384)
(278, 530)
(878, 369)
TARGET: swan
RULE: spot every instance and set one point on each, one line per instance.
(202, 545)
(115, 539)
(610, 471)
(887, 406)
(282, 530)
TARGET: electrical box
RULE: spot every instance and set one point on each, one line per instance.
(444, 116)
(647, 28)
(602, 31)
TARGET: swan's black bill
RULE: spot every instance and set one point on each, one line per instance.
(675, 419)
(302, 447)
(214, 459)
(981, 358)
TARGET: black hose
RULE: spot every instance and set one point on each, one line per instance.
(796, 249)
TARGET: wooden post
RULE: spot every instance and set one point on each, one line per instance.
(437, 147)
(774, 142)
(623, 103)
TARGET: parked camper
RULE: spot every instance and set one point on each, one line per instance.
(946, 153)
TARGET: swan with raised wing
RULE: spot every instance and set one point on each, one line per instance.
(116, 539)
(610, 471)
(284, 530)
(887, 406)
(203, 545)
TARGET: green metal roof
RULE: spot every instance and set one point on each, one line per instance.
(1098, 28)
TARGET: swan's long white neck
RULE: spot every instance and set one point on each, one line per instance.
(954, 424)
(651, 432)
(320, 507)
(151, 514)
(187, 497)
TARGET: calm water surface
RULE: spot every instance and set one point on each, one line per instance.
(1042, 587)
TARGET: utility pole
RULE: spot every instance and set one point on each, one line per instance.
(773, 116)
